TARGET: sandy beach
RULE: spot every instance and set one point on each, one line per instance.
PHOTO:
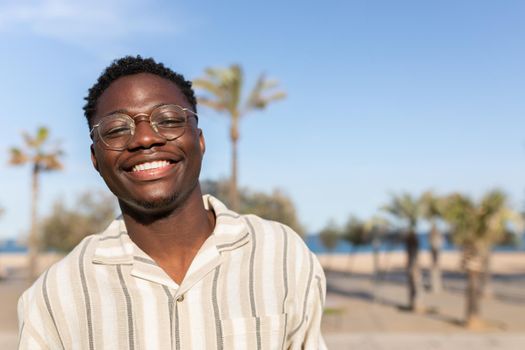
(501, 262)
(505, 263)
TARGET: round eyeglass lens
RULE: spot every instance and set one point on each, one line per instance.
(116, 131)
(169, 121)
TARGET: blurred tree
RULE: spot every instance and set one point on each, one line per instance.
(408, 209)
(276, 206)
(355, 233)
(224, 88)
(476, 227)
(330, 236)
(36, 153)
(432, 209)
(377, 227)
(65, 227)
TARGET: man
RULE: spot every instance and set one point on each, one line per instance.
(177, 270)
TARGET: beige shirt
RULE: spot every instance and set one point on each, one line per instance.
(253, 285)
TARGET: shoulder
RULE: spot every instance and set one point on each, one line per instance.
(277, 238)
(266, 229)
(35, 306)
(66, 271)
(68, 262)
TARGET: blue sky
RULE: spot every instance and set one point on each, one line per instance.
(384, 96)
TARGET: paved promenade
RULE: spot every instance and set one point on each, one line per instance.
(362, 314)
(430, 341)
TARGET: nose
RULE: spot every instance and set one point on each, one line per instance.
(145, 136)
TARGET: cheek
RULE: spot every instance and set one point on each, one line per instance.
(103, 163)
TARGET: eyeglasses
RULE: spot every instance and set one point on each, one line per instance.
(168, 121)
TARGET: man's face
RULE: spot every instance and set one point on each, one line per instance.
(174, 166)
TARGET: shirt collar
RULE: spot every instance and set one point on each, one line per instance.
(230, 230)
(115, 247)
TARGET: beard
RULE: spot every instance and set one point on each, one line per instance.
(147, 211)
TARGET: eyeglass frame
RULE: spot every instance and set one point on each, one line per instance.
(145, 116)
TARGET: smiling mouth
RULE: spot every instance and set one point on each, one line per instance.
(150, 165)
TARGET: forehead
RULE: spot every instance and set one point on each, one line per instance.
(139, 93)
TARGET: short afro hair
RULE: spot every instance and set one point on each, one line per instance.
(130, 65)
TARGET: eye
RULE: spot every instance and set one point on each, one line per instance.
(169, 120)
(116, 132)
(114, 129)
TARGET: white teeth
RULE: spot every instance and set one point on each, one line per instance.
(150, 165)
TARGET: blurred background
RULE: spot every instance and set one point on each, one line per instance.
(389, 134)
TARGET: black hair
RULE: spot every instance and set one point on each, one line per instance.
(129, 65)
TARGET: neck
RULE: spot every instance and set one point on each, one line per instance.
(174, 238)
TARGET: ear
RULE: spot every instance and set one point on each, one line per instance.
(202, 142)
(93, 158)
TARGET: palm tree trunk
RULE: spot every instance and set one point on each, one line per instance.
(33, 238)
(234, 194)
(435, 250)
(375, 250)
(473, 298)
(473, 264)
(485, 279)
(413, 273)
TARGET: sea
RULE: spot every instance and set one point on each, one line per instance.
(315, 244)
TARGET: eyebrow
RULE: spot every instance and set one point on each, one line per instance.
(124, 111)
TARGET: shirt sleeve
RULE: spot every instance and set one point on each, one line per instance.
(313, 338)
(305, 330)
(36, 329)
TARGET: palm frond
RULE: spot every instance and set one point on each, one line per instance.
(36, 152)
(17, 156)
(214, 104)
(209, 86)
(42, 134)
(257, 98)
(404, 207)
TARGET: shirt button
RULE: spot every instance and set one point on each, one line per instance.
(180, 299)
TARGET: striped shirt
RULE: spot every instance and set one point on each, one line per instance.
(253, 285)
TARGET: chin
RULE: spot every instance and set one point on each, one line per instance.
(158, 203)
(162, 204)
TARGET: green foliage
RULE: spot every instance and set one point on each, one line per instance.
(65, 227)
(224, 88)
(37, 152)
(330, 235)
(405, 207)
(356, 232)
(276, 206)
(481, 224)
(432, 206)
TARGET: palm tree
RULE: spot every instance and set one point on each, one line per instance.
(224, 88)
(35, 153)
(432, 212)
(408, 209)
(476, 227)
